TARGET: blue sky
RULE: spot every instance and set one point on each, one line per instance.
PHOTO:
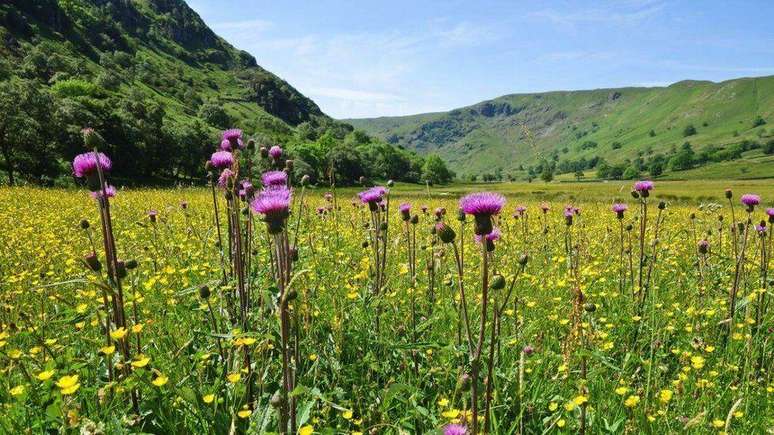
(377, 58)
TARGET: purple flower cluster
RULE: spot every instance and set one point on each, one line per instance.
(224, 177)
(274, 205)
(482, 203)
(232, 139)
(272, 179)
(643, 186)
(455, 429)
(372, 195)
(222, 159)
(275, 152)
(491, 237)
(110, 192)
(750, 200)
(86, 164)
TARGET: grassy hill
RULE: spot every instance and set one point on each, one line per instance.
(626, 127)
(149, 74)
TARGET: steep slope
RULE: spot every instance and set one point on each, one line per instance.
(621, 126)
(149, 74)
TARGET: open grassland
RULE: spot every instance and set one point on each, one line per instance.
(588, 334)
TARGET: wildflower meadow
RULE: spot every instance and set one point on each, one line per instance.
(264, 304)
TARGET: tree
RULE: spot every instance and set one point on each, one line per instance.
(435, 170)
(689, 130)
(214, 114)
(683, 159)
(630, 173)
(24, 146)
(759, 121)
(547, 174)
(579, 175)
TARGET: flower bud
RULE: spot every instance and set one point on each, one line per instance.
(729, 194)
(498, 282)
(131, 264)
(289, 164)
(528, 350)
(390, 183)
(121, 269)
(92, 262)
(661, 205)
(204, 291)
(305, 180)
(523, 259)
(445, 232)
(276, 400)
(415, 219)
(635, 195)
(293, 253)
(703, 246)
(589, 307)
(460, 215)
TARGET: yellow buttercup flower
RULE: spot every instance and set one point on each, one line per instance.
(68, 384)
(234, 377)
(118, 333)
(632, 401)
(306, 430)
(208, 398)
(160, 380)
(107, 350)
(17, 390)
(45, 375)
(140, 362)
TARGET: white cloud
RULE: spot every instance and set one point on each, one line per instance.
(354, 95)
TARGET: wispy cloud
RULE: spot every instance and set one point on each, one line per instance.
(623, 13)
(354, 95)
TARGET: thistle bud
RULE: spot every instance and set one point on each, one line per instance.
(415, 219)
(703, 247)
(365, 244)
(528, 350)
(204, 292)
(121, 269)
(92, 139)
(729, 194)
(661, 205)
(305, 180)
(250, 144)
(383, 226)
(293, 253)
(264, 152)
(361, 180)
(289, 164)
(92, 262)
(445, 232)
(523, 259)
(390, 183)
(460, 215)
(635, 194)
(131, 264)
(208, 166)
(589, 307)
(498, 282)
(84, 224)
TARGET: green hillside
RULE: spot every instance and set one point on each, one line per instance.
(159, 85)
(628, 128)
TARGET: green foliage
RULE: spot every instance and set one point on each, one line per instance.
(435, 170)
(689, 130)
(158, 84)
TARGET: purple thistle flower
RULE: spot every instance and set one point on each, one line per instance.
(545, 207)
(569, 211)
(482, 203)
(328, 196)
(372, 195)
(491, 237)
(275, 152)
(703, 246)
(521, 209)
(232, 134)
(320, 210)
(232, 139)
(424, 209)
(619, 209)
(405, 207)
(455, 429)
(761, 228)
(750, 200)
(184, 205)
(86, 164)
(273, 179)
(440, 212)
(246, 189)
(770, 212)
(224, 177)
(274, 205)
(528, 350)
(152, 215)
(643, 186)
(110, 192)
(222, 159)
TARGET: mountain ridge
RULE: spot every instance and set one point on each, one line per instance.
(515, 131)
